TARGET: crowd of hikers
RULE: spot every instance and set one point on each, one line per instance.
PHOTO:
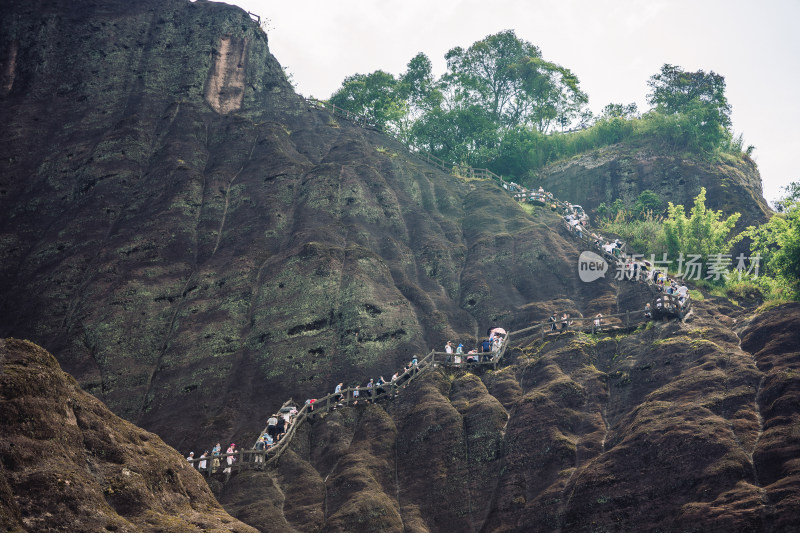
(278, 424)
(565, 321)
(485, 351)
(631, 267)
(214, 460)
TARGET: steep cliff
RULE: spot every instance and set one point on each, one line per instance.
(68, 464)
(188, 236)
(625, 170)
(196, 244)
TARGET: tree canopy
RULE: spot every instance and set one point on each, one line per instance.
(500, 105)
(374, 96)
(678, 91)
(498, 84)
(613, 110)
(487, 75)
(510, 81)
(698, 98)
(778, 240)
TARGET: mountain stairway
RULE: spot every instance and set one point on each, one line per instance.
(665, 305)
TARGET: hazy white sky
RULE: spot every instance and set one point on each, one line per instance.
(613, 46)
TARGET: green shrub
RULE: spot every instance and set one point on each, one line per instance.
(643, 235)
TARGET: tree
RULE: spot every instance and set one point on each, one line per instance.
(620, 111)
(703, 233)
(648, 201)
(420, 91)
(508, 78)
(698, 99)
(418, 86)
(778, 240)
(486, 74)
(586, 118)
(499, 85)
(790, 199)
(463, 135)
(373, 96)
(676, 91)
(552, 93)
(611, 212)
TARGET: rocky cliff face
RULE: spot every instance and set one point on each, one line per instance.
(196, 245)
(187, 236)
(676, 427)
(624, 171)
(68, 464)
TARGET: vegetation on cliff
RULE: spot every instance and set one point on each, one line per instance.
(778, 241)
(773, 269)
(500, 105)
(508, 125)
(703, 233)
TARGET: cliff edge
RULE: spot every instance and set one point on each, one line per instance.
(68, 464)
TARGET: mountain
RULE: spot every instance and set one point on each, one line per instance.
(186, 233)
(195, 243)
(68, 464)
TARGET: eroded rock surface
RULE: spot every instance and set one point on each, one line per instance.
(624, 171)
(674, 427)
(186, 235)
(68, 464)
(196, 245)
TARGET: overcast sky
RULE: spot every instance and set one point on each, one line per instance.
(613, 46)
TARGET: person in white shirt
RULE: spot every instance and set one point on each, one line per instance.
(683, 294)
(272, 424)
(338, 391)
(497, 343)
